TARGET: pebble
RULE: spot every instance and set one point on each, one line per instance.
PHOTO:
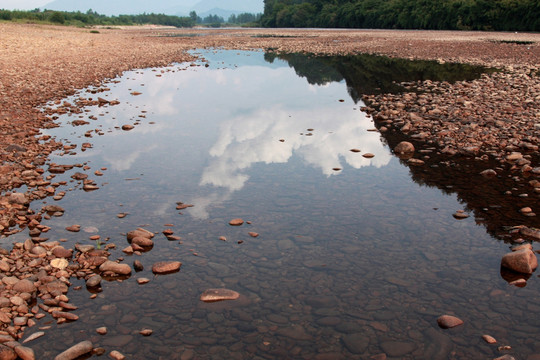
(166, 267)
(116, 355)
(521, 261)
(236, 222)
(212, 295)
(489, 339)
(448, 321)
(75, 351)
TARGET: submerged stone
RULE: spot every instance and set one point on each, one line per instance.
(212, 295)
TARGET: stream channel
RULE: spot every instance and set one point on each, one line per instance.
(355, 256)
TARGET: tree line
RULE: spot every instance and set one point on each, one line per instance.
(498, 15)
(91, 18)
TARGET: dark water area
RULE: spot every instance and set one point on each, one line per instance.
(367, 74)
(356, 256)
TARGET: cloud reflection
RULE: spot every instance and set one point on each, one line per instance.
(255, 138)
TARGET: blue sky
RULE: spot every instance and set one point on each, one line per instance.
(22, 4)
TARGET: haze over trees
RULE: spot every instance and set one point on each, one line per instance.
(499, 15)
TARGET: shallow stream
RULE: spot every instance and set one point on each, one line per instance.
(353, 257)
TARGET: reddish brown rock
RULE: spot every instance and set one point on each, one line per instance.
(75, 351)
(116, 268)
(142, 241)
(212, 295)
(7, 353)
(522, 261)
(25, 353)
(24, 286)
(404, 147)
(166, 267)
(74, 228)
(236, 222)
(448, 321)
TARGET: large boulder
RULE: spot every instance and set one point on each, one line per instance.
(522, 261)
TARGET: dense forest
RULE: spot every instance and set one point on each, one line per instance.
(91, 18)
(500, 15)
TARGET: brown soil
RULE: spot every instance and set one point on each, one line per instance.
(40, 64)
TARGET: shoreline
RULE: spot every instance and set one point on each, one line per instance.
(43, 64)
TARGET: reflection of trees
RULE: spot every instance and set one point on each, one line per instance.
(483, 197)
(370, 74)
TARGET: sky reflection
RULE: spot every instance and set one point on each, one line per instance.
(218, 121)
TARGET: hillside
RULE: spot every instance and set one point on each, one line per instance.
(500, 15)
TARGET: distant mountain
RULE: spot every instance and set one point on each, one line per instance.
(169, 7)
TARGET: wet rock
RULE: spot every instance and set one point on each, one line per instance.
(101, 330)
(127, 127)
(488, 173)
(236, 222)
(7, 353)
(140, 232)
(25, 353)
(64, 315)
(146, 332)
(356, 343)
(404, 147)
(448, 321)
(116, 268)
(137, 265)
(397, 348)
(34, 336)
(74, 228)
(93, 281)
(142, 241)
(368, 155)
(522, 261)
(505, 357)
(489, 339)
(116, 355)
(166, 267)
(213, 295)
(253, 234)
(295, 332)
(75, 351)
(460, 214)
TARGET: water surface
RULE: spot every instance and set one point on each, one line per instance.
(353, 257)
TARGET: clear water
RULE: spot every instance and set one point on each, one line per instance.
(349, 263)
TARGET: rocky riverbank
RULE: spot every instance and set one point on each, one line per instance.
(496, 118)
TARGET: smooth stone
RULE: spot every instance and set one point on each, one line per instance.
(75, 351)
(397, 348)
(212, 295)
(522, 261)
(119, 269)
(489, 339)
(25, 353)
(236, 222)
(7, 353)
(118, 340)
(165, 267)
(142, 241)
(295, 332)
(93, 281)
(448, 321)
(24, 286)
(404, 147)
(59, 263)
(116, 355)
(356, 343)
(368, 155)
